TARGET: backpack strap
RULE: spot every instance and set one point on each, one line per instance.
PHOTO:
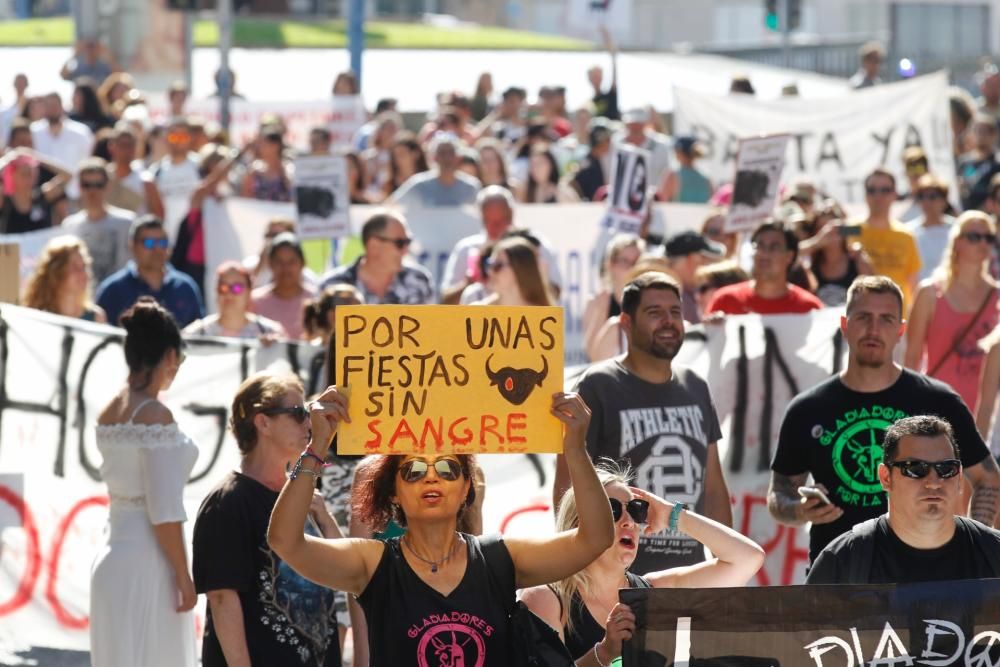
(860, 567)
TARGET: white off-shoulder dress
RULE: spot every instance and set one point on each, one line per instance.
(133, 595)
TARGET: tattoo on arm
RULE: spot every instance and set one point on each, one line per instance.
(783, 497)
(986, 493)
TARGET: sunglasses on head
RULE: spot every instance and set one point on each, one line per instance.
(231, 288)
(918, 469)
(636, 508)
(297, 412)
(150, 243)
(977, 237)
(415, 470)
(401, 244)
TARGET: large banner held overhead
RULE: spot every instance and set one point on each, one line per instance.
(462, 379)
(935, 624)
(836, 144)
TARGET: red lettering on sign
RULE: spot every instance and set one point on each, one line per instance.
(62, 614)
(32, 553)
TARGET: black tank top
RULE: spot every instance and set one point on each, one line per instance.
(410, 623)
(587, 631)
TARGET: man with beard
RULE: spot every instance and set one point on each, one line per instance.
(58, 137)
(835, 430)
(656, 417)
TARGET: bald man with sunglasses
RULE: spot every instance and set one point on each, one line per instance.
(920, 538)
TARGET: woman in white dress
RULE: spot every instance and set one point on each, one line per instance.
(141, 590)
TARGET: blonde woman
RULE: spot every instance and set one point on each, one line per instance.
(584, 608)
(959, 304)
(620, 256)
(62, 281)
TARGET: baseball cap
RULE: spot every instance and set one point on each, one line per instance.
(691, 242)
(599, 131)
(689, 145)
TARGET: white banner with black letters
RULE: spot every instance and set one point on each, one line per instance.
(836, 142)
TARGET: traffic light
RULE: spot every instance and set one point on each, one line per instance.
(771, 19)
(794, 14)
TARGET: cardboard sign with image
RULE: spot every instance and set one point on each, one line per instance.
(759, 163)
(322, 197)
(449, 379)
(628, 194)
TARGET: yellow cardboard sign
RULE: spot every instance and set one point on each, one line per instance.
(449, 379)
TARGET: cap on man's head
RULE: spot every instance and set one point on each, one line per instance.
(691, 242)
(599, 132)
(689, 145)
(636, 115)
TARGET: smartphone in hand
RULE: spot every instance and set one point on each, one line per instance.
(813, 492)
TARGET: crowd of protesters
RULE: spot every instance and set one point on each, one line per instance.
(920, 263)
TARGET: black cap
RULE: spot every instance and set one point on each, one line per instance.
(691, 242)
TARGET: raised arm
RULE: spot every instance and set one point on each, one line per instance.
(544, 560)
(609, 45)
(736, 557)
(344, 564)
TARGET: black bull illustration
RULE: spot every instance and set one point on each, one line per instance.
(516, 384)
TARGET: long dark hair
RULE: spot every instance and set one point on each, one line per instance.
(409, 140)
(150, 332)
(544, 152)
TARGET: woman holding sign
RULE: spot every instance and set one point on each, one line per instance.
(430, 595)
(584, 607)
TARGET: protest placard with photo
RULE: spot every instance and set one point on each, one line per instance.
(321, 197)
(628, 191)
(759, 163)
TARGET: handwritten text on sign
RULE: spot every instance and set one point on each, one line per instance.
(464, 379)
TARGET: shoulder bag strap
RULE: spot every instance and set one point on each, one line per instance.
(965, 332)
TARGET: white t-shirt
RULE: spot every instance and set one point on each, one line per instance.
(467, 251)
(176, 183)
(931, 242)
(68, 148)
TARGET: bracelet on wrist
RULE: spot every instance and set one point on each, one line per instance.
(309, 453)
(597, 657)
(675, 514)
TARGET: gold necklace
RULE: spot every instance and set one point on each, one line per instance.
(433, 563)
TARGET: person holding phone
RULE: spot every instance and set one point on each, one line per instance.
(836, 256)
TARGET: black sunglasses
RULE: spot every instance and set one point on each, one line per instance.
(880, 191)
(918, 469)
(297, 412)
(401, 244)
(415, 470)
(93, 185)
(977, 237)
(636, 508)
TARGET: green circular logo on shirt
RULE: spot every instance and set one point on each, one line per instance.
(857, 452)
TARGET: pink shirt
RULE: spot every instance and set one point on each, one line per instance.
(962, 368)
(286, 311)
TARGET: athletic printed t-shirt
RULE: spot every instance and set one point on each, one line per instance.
(410, 623)
(288, 620)
(663, 431)
(836, 434)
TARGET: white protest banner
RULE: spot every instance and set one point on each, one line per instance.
(56, 375)
(628, 193)
(30, 246)
(234, 228)
(835, 142)
(341, 115)
(322, 197)
(759, 161)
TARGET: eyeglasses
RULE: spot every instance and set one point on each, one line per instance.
(495, 265)
(297, 412)
(93, 185)
(918, 469)
(231, 288)
(401, 244)
(714, 233)
(415, 470)
(881, 191)
(178, 137)
(636, 508)
(929, 196)
(150, 243)
(977, 237)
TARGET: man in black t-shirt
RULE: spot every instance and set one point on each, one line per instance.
(920, 538)
(834, 431)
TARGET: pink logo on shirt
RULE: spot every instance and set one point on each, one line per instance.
(451, 645)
